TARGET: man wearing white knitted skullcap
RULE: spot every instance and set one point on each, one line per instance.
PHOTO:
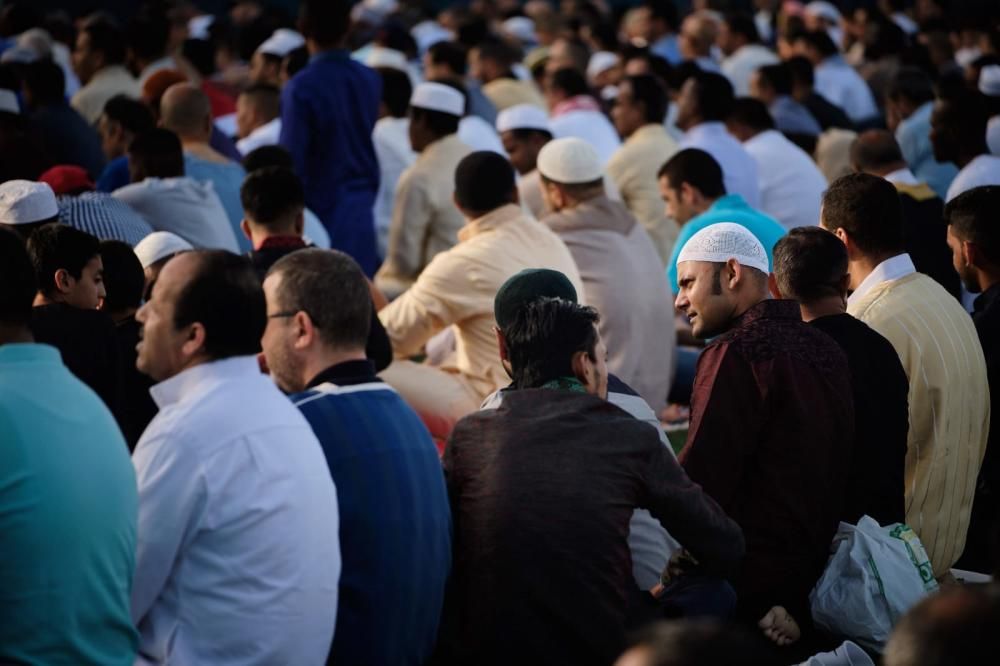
(772, 398)
(622, 273)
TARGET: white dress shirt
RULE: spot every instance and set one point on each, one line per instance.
(238, 554)
(791, 185)
(745, 61)
(738, 169)
(391, 138)
(892, 268)
(265, 135)
(843, 86)
(983, 170)
(478, 134)
(902, 177)
(591, 126)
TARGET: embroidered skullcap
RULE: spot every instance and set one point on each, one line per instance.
(26, 202)
(569, 161)
(720, 242)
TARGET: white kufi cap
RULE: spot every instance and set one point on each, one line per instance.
(160, 245)
(26, 202)
(522, 117)
(282, 42)
(522, 29)
(438, 97)
(199, 26)
(824, 10)
(989, 80)
(720, 242)
(569, 161)
(601, 62)
(379, 56)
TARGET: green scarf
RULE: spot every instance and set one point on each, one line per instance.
(565, 384)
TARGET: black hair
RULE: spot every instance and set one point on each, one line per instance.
(868, 209)
(157, 154)
(148, 33)
(966, 115)
(484, 181)
(874, 149)
(778, 76)
(911, 84)
(439, 123)
(107, 37)
(500, 51)
(268, 156)
(801, 70)
(124, 279)
(809, 264)
(953, 626)
(696, 642)
(569, 81)
(647, 89)
(396, 90)
(272, 196)
(696, 168)
(55, 246)
(742, 24)
(324, 21)
(972, 216)
(266, 97)
(452, 54)
(543, 338)
(46, 82)
(201, 54)
(819, 40)
(664, 10)
(296, 60)
(223, 293)
(525, 134)
(131, 114)
(18, 277)
(751, 112)
(715, 96)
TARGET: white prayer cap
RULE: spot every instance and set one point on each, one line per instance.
(601, 62)
(522, 29)
(989, 80)
(438, 97)
(522, 116)
(722, 241)
(569, 161)
(281, 43)
(160, 245)
(428, 33)
(823, 10)
(379, 56)
(8, 101)
(198, 27)
(373, 11)
(26, 202)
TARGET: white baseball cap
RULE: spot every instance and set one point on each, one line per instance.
(722, 241)
(26, 202)
(160, 245)
(569, 161)
(282, 42)
(522, 116)
(438, 97)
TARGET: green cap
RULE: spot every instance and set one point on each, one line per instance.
(527, 286)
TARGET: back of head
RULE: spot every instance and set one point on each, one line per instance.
(715, 96)
(148, 33)
(224, 295)
(699, 642)
(186, 111)
(55, 247)
(810, 264)
(131, 114)
(124, 279)
(543, 338)
(499, 52)
(752, 113)
(648, 90)
(451, 55)
(972, 216)
(802, 71)
(569, 81)
(273, 198)
(106, 37)
(484, 181)
(268, 156)
(17, 274)
(955, 626)
(264, 98)
(331, 288)
(45, 83)
(156, 154)
(697, 168)
(778, 77)
(526, 286)
(911, 84)
(876, 152)
(325, 22)
(820, 41)
(867, 208)
(396, 90)
(743, 25)
(965, 115)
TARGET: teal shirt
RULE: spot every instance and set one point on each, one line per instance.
(68, 510)
(728, 208)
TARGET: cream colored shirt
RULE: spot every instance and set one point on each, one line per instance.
(505, 93)
(634, 168)
(115, 80)
(425, 220)
(949, 403)
(459, 285)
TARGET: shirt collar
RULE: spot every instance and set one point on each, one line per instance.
(902, 177)
(282, 243)
(892, 268)
(331, 54)
(709, 129)
(348, 373)
(490, 221)
(195, 381)
(728, 202)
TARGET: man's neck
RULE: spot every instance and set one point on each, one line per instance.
(259, 237)
(15, 334)
(862, 267)
(43, 299)
(326, 359)
(988, 280)
(832, 305)
(883, 171)
(200, 148)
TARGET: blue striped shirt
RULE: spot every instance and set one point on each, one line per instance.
(103, 216)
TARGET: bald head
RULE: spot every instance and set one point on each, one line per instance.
(877, 153)
(185, 111)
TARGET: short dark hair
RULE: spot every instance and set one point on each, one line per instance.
(569, 81)
(268, 156)
(525, 134)
(647, 89)
(157, 154)
(223, 293)
(778, 76)
(912, 84)
(266, 97)
(45, 81)
(752, 113)
(701, 641)
(743, 24)
(809, 264)
(148, 33)
(124, 279)
(819, 40)
(972, 216)
(201, 54)
(18, 278)
(696, 168)
(498, 51)
(452, 54)
(130, 113)
(331, 288)
(874, 149)
(484, 181)
(953, 626)
(55, 246)
(107, 37)
(714, 93)
(324, 21)
(868, 209)
(663, 10)
(801, 70)
(396, 90)
(272, 197)
(440, 123)
(965, 114)
(544, 336)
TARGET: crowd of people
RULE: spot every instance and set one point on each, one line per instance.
(496, 332)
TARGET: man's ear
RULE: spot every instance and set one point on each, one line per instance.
(772, 286)
(195, 342)
(62, 280)
(305, 330)
(971, 254)
(733, 273)
(583, 369)
(245, 228)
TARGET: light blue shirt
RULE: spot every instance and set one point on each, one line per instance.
(227, 179)
(67, 517)
(728, 208)
(914, 138)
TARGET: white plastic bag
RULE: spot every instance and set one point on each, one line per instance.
(873, 577)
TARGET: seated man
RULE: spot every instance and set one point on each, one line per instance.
(395, 523)
(458, 287)
(810, 266)
(67, 499)
(771, 406)
(258, 118)
(541, 561)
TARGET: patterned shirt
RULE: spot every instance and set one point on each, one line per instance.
(103, 216)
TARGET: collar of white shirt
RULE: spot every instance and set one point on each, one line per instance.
(709, 130)
(892, 268)
(191, 383)
(902, 177)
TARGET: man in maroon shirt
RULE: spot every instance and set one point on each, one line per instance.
(772, 425)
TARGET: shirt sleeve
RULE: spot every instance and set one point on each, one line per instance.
(431, 304)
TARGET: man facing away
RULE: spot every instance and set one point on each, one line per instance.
(68, 516)
(395, 523)
(772, 399)
(937, 344)
(541, 559)
(238, 554)
(810, 267)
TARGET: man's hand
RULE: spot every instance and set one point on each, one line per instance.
(780, 627)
